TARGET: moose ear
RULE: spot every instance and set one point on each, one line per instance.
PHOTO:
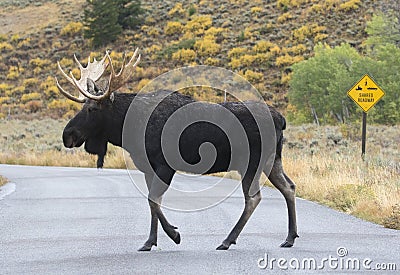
(91, 86)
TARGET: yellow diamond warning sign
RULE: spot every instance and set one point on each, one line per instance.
(366, 93)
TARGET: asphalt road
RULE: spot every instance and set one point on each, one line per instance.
(89, 221)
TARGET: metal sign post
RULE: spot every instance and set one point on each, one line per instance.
(363, 135)
(365, 93)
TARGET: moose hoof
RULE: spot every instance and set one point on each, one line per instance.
(177, 238)
(174, 235)
(289, 242)
(145, 248)
(225, 245)
(286, 244)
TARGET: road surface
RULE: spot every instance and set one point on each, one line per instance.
(87, 221)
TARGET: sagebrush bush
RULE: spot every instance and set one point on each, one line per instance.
(33, 106)
(2, 180)
(393, 221)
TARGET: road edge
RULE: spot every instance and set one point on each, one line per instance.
(7, 189)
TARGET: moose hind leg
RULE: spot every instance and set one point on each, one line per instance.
(159, 185)
(252, 199)
(287, 187)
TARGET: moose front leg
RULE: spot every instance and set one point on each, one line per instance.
(100, 160)
(157, 185)
(152, 240)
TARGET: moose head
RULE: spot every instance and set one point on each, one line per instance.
(98, 122)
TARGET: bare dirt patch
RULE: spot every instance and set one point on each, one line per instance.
(28, 19)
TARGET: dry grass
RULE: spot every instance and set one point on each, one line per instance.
(368, 190)
(324, 162)
(3, 181)
(69, 158)
(39, 142)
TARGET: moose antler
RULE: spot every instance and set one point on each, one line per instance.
(118, 80)
(94, 70)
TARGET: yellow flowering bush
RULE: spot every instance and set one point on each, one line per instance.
(5, 99)
(142, 83)
(256, 10)
(13, 73)
(207, 46)
(198, 24)
(287, 60)
(72, 29)
(236, 52)
(38, 62)
(263, 46)
(184, 55)
(253, 77)
(4, 46)
(31, 96)
(349, 5)
(307, 31)
(211, 61)
(284, 17)
(177, 10)
(173, 28)
(24, 43)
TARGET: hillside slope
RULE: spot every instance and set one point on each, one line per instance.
(258, 39)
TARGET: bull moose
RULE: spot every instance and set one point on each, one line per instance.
(101, 120)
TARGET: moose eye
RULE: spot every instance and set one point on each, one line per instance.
(92, 109)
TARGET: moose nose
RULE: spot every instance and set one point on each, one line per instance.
(70, 137)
